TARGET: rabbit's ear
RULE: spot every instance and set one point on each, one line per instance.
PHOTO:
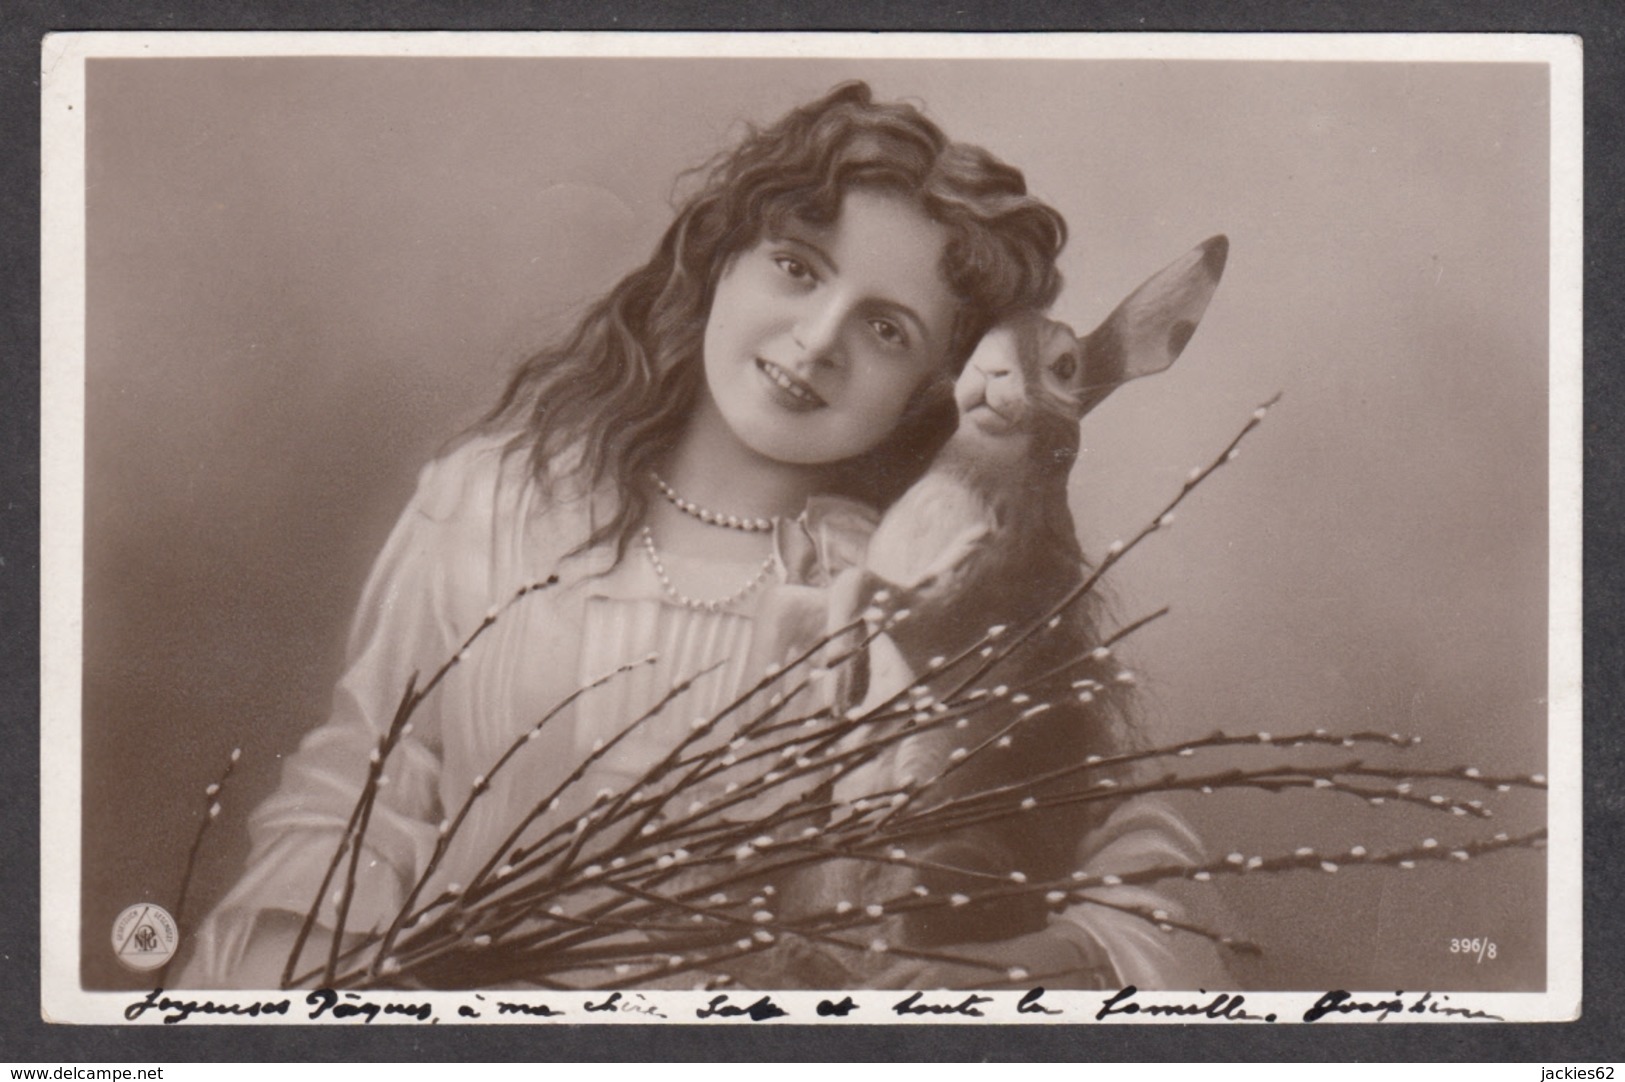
(1146, 332)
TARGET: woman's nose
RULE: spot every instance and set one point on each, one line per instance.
(817, 331)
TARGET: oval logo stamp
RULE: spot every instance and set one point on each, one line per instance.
(144, 936)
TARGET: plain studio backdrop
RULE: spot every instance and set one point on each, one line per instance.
(306, 275)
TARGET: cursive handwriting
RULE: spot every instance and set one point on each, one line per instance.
(619, 1004)
(1031, 1003)
(182, 1009)
(534, 1010)
(331, 1005)
(828, 1008)
(916, 1004)
(762, 1009)
(352, 1005)
(1224, 1007)
(1345, 1003)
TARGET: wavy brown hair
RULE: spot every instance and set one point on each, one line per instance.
(613, 396)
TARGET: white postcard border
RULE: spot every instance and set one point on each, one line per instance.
(62, 512)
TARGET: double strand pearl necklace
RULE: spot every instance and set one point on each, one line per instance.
(708, 516)
(714, 605)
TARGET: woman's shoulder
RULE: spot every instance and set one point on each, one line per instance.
(482, 502)
(473, 474)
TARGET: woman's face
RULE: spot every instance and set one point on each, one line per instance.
(819, 337)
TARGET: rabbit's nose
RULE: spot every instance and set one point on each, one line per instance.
(1002, 373)
(994, 365)
(1007, 396)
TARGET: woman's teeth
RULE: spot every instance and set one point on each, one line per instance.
(792, 386)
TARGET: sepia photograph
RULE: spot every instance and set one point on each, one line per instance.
(829, 528)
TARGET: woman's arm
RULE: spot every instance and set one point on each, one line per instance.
(404, 625)
(1143, 833)
(1097, 944)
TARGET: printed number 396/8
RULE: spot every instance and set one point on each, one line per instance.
(1480, 948)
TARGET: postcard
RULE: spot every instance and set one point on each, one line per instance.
(831, 528)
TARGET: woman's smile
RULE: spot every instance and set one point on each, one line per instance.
(798, 396)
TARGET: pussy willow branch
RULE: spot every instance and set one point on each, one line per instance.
(1119, 549)
(1274, 780)
(631, 864)
(355, 829)
(993, 653)
(596, 876)
(211, 811)
(980, 804)
(450, 828)
(655, 960)
(1227, 780)
(526, 860)
(363, 807)
(948, 708)
(411, 698)
(405, 915)
(1468, 774)
(1283, 863)
(677, 956)
(600, 817)
(1075, 889)
(655, 773)
(1182, 749)
(763, 932)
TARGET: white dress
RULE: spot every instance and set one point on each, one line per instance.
(474, 533)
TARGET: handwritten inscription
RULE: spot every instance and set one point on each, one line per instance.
(918, 1004)
(1224, 1007)
(327, 1004)
(760, 1011)
(532, 1010)
(1345, 1003)
(354, 1005)
(619, 1004)
(174, 1011)
(1031, 1003)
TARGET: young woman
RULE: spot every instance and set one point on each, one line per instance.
(732, 414)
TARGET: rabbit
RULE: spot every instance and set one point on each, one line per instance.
(985, 539)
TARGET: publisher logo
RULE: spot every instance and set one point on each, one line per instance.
(144, 936)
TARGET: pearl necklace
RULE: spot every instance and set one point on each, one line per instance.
(706, 515)
(715, 605)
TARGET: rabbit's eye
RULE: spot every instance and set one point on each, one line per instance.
(1065, 366)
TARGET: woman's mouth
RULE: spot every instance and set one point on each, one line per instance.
(795, 393)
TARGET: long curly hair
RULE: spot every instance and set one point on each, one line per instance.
(615, 393)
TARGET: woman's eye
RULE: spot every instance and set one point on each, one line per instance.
(1065, 366)
(792, 266)
(889, 332)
